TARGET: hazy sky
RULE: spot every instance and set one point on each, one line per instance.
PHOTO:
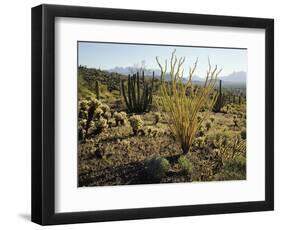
(109, 55)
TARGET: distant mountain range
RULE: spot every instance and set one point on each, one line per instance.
(235, 77)
(239, 76)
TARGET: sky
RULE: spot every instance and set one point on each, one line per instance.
(109, 55)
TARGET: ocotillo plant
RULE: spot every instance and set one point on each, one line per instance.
(138, 93)
(182, 109)
(220, 100)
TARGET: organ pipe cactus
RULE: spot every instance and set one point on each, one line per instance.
(138, 93)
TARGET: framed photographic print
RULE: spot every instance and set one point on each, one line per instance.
(143, 114)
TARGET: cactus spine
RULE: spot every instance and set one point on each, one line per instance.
(138, 93)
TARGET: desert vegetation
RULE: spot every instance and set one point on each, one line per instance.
(142, 129)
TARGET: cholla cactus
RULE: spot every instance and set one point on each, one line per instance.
(120, 118)
(98, 113)
(107, 115)
(208, 125)
(136, 123)
(83, 114)
(101, 125)
(81, 133)
(84, 104)
(83, 123)
(224, 109)
(235, 121)
(200, 141)
(110, 122)
(157, 117)
(201, 131)
(104, 107)
(95, 103)
(154, 131)
(91, 110)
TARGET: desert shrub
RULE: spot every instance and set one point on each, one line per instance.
(233, 169)
(120, 118)
(136, 123)
(183, 110)
(203, 171)
(185, 164)
(103, 88)
(157, 167)
(238, 164)
(229, 146)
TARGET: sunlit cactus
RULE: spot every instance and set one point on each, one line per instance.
(137, 94)
(182, 109)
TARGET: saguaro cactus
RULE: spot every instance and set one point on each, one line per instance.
(220, 100)
(97, 89)
(138, 93)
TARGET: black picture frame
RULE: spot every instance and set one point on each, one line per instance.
(43, 114)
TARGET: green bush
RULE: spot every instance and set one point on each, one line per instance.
(185, 164)
(157, 167)
(233, 169)
(238, 164)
